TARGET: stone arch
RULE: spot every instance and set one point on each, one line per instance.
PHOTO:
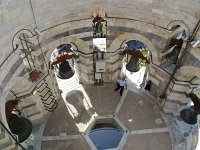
(122, 39)
(83, 51)
(180, 25)
(79, 44)
(176, 27)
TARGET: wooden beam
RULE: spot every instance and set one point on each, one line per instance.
(62, 58)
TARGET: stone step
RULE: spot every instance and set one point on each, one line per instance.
(24, 102)
(33, 113)
(51, 107)
(28, 110)
(43, 87)
(171, 107)
(36, 116)
(178, 97)
(29, 88)
(69, 86)
(49, 100)
(50, 104)
(41, 84)
(46, 94)
(70, 81)
(44, 91)
(7, 145)
(28, 106)
(180, 88)
(2, 134)
(4, 140)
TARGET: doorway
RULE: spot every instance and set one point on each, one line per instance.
(135, 69)
(65, 69)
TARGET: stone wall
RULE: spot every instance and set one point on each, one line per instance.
(17, 15)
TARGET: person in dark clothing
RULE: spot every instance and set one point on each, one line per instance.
(148, 86)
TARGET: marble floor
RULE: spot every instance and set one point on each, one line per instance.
(65, 127)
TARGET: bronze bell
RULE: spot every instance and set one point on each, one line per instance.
(99, 27)
(173, 56)
(190, 115)
(22, 127)
(133, 64)
(64, 71)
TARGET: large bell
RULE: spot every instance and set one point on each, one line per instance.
(133, 65)
(22, 127)
(173, 56)
(99, 27)
(64, 71)
(189, 115)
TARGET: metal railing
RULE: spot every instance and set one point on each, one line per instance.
(39, 86)
(11, 135)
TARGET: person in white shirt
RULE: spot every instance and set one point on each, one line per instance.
(121, 84)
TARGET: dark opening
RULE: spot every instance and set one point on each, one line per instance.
(106, 136)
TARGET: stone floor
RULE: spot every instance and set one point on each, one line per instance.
(65, 127)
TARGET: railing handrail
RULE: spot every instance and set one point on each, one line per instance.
(14, 49)
(32, 89)
(27, 74)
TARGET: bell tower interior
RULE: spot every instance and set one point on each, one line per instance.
(99, 75)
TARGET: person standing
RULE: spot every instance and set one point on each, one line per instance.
(121, 84)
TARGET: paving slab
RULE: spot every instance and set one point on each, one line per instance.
(60, 122)
(75, 144)
(75, 112)
(153, 141)
(138, 114)
(103, 98)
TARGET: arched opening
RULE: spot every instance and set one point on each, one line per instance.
(175, 45)
(99, 27)
(172, 54)
(65, 68)
(134, 62)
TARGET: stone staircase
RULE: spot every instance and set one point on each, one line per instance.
(68, 85)
(29, 109)
(6, 142)
(171, 107)
(176, 97)
(36, 101)
(47, 97)
(175, 101)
